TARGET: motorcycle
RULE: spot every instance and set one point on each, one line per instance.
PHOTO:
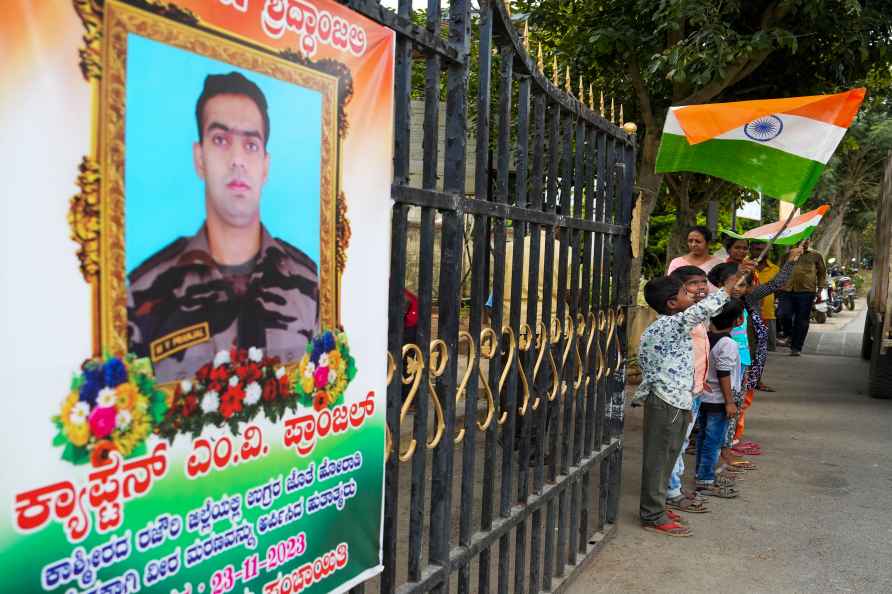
(845, 288)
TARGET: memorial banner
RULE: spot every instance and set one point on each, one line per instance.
(197, 258)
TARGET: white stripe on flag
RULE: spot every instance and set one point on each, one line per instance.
(804, 137)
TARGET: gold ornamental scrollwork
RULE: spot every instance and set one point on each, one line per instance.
(413, 359)
(90, 14)
(620, 320)
(439, 356)
(465, 337)
(489, 346)
(524, 343)
(592, 328)
(343, 233)
(580, 334)
(611, 328)
(83, 218)
(512, 352)
(602, 362)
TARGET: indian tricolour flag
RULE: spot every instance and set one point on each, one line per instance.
(775, 146)
(798, 229)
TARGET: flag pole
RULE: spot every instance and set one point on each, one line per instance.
(771, 243)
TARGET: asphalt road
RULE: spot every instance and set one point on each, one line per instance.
(815, 517)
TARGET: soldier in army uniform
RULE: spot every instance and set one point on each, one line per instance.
(230, 284)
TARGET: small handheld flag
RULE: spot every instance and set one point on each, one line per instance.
(775, 146)
(798, 229)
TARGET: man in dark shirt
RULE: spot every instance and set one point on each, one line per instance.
(809, 277)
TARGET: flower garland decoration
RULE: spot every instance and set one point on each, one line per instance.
(230, 390)
(325, 371)
(114, 404)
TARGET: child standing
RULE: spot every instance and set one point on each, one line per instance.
(718, 401)
(666, 361)
(694, 281)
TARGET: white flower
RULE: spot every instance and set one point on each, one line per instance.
(332, 376)
(122, 421)
(106, 398)
(233, 381)
(252, 393)
(210, 402)
(185, 386)
(79, 413)
(222, 358)
(323, 360)
(280, 372)
(255, 354)
(309, 370)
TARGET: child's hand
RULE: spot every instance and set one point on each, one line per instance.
(746, 267)
(730, 409)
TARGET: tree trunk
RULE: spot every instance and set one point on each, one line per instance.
(649, 186)
(831, 229)
(685, 218)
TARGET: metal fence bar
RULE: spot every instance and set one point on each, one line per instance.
(507, 411)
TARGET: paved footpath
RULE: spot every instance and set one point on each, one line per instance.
(815, 517)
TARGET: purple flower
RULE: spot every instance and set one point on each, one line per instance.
(114, 372)
(328, 342)
(93, 382)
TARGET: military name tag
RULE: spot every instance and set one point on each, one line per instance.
(179, 341)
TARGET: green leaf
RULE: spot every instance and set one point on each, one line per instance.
(76, 455)
(60, 439)
(139, 450)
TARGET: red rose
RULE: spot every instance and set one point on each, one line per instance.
(231, 402)
(203, 372)
(190, 405)
(284, 386)
(320, 402)
(270, 390)
(215, 387)
(220, 374)
(249, 373)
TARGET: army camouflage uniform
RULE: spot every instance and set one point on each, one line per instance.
(182, 308)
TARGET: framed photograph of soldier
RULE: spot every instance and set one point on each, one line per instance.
(223, 163)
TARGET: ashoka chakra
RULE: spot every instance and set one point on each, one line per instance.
(764, 129)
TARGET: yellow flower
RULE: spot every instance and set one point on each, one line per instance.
(306, 385)
(334, 359)
(78, 434)
(127, 396)
(68, 404)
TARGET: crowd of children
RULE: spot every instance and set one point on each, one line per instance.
(701, 362)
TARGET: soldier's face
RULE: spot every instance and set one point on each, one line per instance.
(232, 160)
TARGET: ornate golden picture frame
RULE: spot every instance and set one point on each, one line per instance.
(98, 214)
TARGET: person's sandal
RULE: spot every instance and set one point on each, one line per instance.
(714, 490)
(676, 518)
(763, 388)
(685, 504)
(669, 529)
(725, 480)
(742, 465)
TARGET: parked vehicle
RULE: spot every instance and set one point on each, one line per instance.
(819, 310)
(877, 342)
(845, 288)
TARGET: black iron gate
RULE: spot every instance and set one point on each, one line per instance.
(505, 440)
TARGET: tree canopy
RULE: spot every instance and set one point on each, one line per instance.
(650, 54)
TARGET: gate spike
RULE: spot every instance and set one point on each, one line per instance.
(526, 36)
(602, 104)
(554, 71)
(581, 91)
(539, 63)
(591, 97)
(612, 112)
(567, 82)
(621, 122)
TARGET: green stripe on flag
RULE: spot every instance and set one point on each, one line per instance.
(768, 170)
(788, 240)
